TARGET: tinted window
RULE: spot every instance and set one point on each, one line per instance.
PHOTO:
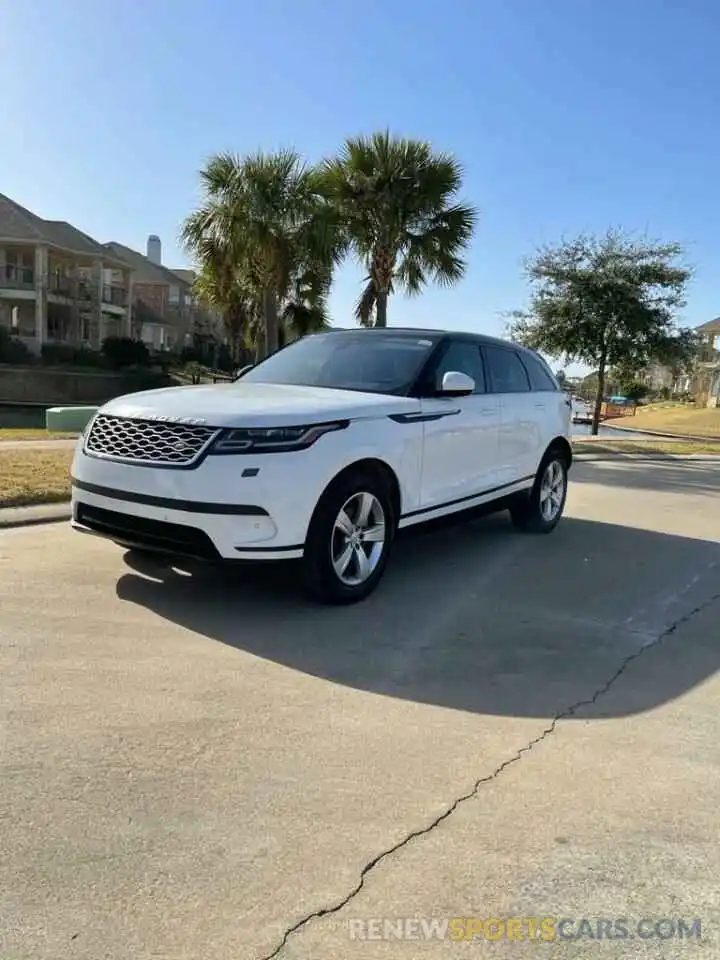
(372, 362)
(505, 371)
(540, 378)
(463, 357)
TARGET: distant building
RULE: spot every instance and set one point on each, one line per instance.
(57, 284)
(165, 310)
(162, 301)
(704, 380)
(707, 379)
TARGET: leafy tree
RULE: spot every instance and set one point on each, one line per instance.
(396, 200)
(634, 389)
(264, 220)
(607, 301)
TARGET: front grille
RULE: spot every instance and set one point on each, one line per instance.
(147, 441)
(129, 530)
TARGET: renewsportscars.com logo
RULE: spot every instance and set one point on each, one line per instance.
(547, 929)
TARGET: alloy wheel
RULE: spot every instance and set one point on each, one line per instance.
(358, 539)
(552, 491)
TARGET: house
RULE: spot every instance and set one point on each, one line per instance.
(657, 377)
(163, 306)
(165, 311)
(703, 382)
(206, 320)
(706, 385)
(57, 284)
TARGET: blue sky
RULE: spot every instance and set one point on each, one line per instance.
(567, 116)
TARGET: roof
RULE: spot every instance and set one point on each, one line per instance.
(21, 225)
(145, 270)
(187, 276)
(710, 326)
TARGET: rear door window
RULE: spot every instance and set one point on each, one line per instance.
(506, 373)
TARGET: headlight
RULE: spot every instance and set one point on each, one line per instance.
(274, 439)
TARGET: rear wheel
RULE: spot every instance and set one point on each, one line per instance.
(540, 510)
(349, 540)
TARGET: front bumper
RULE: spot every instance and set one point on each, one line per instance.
(225, 509)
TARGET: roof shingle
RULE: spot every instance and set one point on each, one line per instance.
(19, 224)
(145, 270)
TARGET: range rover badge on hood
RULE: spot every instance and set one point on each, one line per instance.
(189, 421)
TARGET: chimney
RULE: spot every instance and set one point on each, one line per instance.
(154, 249)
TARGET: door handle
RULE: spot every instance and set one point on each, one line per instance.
(540, 406)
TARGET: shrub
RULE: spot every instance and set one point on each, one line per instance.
(123, 352)
(13, 350)
(67, 355)
(140, 378)
(193, 371)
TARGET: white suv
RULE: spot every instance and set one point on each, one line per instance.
(325, 449)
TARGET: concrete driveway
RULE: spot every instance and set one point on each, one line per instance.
(196, 764)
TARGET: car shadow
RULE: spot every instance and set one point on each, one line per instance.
(470, 616)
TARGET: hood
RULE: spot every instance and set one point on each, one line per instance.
(257, 404)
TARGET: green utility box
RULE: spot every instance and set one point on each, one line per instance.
(68, 419)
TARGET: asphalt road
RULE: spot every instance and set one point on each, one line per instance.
(194, 764)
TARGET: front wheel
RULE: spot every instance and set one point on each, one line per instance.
(349, 540)
(540, 510)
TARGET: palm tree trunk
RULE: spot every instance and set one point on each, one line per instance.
(260, 351)
(270, 316)
(381, 309)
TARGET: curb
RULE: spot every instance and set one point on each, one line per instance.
(31, 516)
(668, 436)
(650, 457)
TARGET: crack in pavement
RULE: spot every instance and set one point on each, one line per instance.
(463, 798)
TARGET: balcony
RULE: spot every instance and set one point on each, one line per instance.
(60, 285)
(86, 291)
(16, 278)
(114, 295)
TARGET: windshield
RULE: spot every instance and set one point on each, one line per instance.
(370, 362)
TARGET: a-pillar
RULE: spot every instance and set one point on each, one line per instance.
(41, 299)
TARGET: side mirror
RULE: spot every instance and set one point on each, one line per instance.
(243, 370)
(456, 384)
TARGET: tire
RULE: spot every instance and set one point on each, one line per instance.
(337, 536)
(540, 511)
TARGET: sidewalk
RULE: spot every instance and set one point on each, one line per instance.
(38, 444)
(643, 433)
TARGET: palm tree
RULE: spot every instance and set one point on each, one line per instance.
(305, 307)
(263, 221)
(397, 203)
(221, 287)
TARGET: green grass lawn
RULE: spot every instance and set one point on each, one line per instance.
(675, 418)
(34, 476)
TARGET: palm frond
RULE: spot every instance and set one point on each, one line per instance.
(366, 305)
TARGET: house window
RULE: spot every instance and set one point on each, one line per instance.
(174, 296)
